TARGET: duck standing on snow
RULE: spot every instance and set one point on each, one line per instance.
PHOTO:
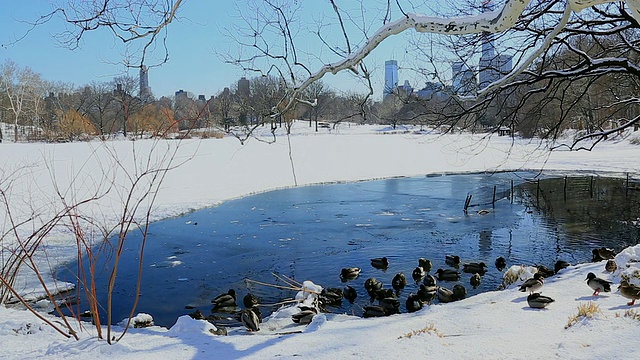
(250, 301)
(533, 284)
(537, 301)
(602, 253)
(250, 320)
(380, 263)
(425, 264)
(598, 284)
(611, 265)
(545, 271)
(559, 265)
(629, 291)
(223, 301)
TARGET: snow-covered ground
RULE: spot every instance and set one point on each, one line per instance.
(491, 325)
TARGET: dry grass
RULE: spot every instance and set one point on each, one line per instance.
(588, 311)
(630, 313)
(429, 329)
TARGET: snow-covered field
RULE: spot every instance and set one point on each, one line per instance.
(491, 325)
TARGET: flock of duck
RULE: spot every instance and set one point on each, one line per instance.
(386, 301)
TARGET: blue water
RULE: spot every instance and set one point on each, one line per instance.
(310, 233)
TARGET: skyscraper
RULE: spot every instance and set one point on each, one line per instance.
(145, 90)
(488, 71)
(464, 81)
(390, 77)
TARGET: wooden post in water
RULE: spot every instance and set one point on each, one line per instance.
(493, 202)
(591, 187)
(538, 193)
(565, 189)
(467, 202)
(512, 191)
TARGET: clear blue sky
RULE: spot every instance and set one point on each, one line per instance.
(192, 41)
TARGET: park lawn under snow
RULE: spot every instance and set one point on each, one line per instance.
(496, 324)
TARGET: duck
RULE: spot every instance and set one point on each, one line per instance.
(598, 284)
(425, 264)
(399, 281)
(350, 293)
(452, 260)
(545, 271)
(383, 293)
(459, 292)
(330, 297)
(418, 273)
(559, 265)
(429, 280)
(475, 280)
(475, 267)
(350, 273)
(611, 265)
(250, 320)
(391, 304)
(445, 295)
(448, 275)
(533, 284)
(629, 291)
(372, 285)
(501, 263)
(305, 316)
(374, 311)
(380, 263)
(426, 294)
(413, 303)
(227, 300)
(602, 253)
(250, 300)
(537, 301)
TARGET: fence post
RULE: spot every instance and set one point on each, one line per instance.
(591, 187)
(512, 191)
(493, 202)
(565, 189)
(538, 193)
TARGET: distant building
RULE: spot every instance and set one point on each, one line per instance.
(430, 91)
(145, 90)
(406, 89)
(492, 66)
(464, 80)
(390, 77)
(243, 87)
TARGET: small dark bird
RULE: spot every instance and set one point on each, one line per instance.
(399, 281)
(425, 264)
(350, 294)
(374, 311)
(475, 280)
(501, 263)
(545, 271)
(533, 284)
(227, 300)
(250, 320)
(598, 284)
(452, 260)
(474, 267)
(629, 291)
(426, 294)
(413, 303)
(429, 280)
(349, 273)
(611, 265)
(380, 263)
(459, 292)
(537, 301)
(448, 275)
(559, 265)
(418, 273)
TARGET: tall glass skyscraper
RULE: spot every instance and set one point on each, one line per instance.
(390, 77)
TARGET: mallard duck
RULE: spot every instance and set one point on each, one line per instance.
(418, 273)
(426, 294)
(501, 263)
(227, 300)
(380, 263)
(429, 280)
(559, 265)
(475, 280)
(598, 284)
(448, 275)
(533, 284)
(350, 294)
(629, 291)
(372, 285)
(425, 264)
(383, 293)
(249, 300)
(413, 303)
(445, 295)
(611, 265)
(350, 273)
(459, 292)
(330, 297)
(250, 320)
(399, 281)
(602, 253)
(452, 260)
(475, 267)
(545, 271)
(305, 316)
(537, 301)
(391, 304)
(374, 311)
